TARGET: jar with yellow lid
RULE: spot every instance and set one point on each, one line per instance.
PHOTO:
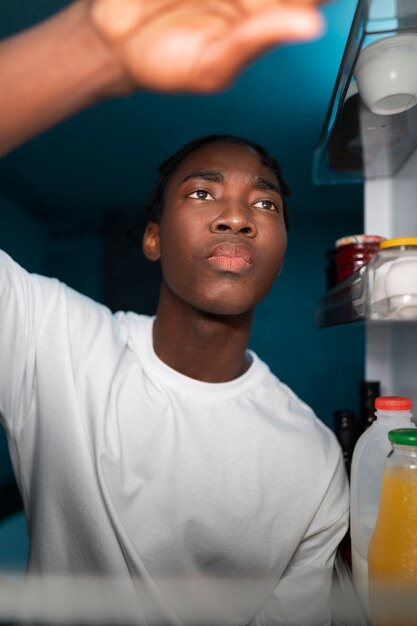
(392, 280)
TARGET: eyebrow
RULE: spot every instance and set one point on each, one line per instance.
(213, 175)
(262, 183)
(206, 175)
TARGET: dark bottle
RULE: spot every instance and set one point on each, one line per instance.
(369, 390)
(346, 431)
(331, 269)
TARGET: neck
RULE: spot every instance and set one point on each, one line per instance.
(203, 346)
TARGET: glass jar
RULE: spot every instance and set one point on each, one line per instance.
(353, 252)
(392, 280)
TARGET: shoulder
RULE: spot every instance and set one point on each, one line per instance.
(294, 417)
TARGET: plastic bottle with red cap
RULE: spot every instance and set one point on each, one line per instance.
(367, 469)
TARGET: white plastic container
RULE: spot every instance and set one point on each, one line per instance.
(392, 280)
(368, 461)
(386, 74)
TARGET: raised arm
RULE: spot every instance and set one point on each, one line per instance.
(97, 49)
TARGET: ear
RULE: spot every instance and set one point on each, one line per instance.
(150, 243)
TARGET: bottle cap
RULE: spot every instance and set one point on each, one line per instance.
(403, 436)
(344, 419)
(369, 386)
(398, 241)
(393, 403)
(359, 239)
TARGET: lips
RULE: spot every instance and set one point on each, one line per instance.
(230, 257)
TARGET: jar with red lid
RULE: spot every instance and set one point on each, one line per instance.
(353, 252)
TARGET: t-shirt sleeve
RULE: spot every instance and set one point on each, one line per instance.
(17, 322)
(303, 595)
(47, 330)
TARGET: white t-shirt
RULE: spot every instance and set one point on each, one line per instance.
(226, 501)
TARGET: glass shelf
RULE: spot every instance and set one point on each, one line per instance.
(356, 144)
(356, 300)
(345, 303)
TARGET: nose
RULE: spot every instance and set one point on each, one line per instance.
(235, 219)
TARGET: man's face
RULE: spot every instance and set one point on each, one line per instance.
(222, 236)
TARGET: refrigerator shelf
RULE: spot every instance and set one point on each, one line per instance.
(356, 144)
(344, 303)
(358, 299)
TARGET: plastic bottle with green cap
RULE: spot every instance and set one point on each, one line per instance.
(367, 469)
(392, 553)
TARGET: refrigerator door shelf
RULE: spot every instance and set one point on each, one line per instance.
(373, 294)
(344, 303)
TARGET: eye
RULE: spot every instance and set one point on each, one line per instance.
(201, 194)
(266, 204)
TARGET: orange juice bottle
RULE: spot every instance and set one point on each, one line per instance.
(392, 555)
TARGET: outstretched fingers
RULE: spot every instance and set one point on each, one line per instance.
(248, 39)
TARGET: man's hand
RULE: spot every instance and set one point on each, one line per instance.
(97, 49)
(198, 45)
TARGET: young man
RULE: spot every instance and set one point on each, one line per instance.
(162, 451)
